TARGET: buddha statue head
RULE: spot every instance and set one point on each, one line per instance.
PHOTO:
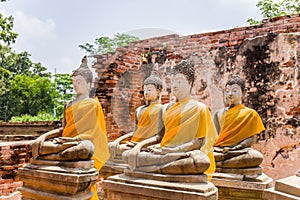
(234, 90)
(183, 79)
(82, 78)
(152, 87)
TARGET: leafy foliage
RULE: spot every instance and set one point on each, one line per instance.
(26, 87)
(105, 44)
(270, 9)
(39, 117)
(6, 33)
(63, 92)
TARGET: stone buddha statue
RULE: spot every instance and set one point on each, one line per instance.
(237, 126)
(83, 134)
(184, 145)
(147, 120)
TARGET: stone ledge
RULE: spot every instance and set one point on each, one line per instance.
(129, 188)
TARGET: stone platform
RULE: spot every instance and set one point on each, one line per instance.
(58, 180)
(285, 189)
(242, 184)
(111, 168)
(144, 186)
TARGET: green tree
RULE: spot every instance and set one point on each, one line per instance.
(6, 34)
(270, 9)
(26, 87)
(64, 92)
(105, 44)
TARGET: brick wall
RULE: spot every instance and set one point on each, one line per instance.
(265, 55)
(13, 155)
(15, 152)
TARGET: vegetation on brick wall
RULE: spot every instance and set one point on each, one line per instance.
(106, 44)
(270, 9)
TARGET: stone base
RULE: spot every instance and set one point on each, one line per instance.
(111, 168)
(123, 187)
(58, 180)
(285, 189)
(235, 187)
(198, 178)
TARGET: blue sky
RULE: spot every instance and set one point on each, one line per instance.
(51, 30)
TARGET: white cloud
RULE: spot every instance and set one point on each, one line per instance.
(33, 27)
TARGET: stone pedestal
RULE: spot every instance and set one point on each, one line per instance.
(148, 186)
(58, 180)
(285, 189)
(242, 184)
(112, 168)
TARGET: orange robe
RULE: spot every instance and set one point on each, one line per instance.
(148, 123)
(85, 120)
(187, 120)
(237, 124)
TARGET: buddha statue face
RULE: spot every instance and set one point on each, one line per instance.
(233, 94)
(180, 86)
(150, 92)
(80, 85)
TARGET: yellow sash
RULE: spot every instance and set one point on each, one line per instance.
(187, 120)
(148, 124)
(85, 120)
(237, 124)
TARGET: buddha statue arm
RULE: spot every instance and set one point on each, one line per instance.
(37, 143)
(113, 145)
(130, 156)
(248, 142)
(195, 144)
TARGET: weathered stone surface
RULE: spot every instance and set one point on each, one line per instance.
(131, 188)
(286, 189)
(235, 187)
(111, 168)
(257, 171)
(58, 180)
(199, 178)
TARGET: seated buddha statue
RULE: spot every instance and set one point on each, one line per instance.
(83, 134)
(77, 139)
(147, 120)
(184, 145)
(237, 126)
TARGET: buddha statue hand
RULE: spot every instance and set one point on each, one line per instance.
(130, 156)
(36, 145)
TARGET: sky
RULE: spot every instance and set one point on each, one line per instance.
(52, 30)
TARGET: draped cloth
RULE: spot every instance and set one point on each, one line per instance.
(85, 120)
(148, 123)
(237, 124)
(187, 120)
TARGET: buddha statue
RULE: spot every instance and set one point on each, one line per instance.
(147, 120)
(237, 126)
(83, 134)
(184, 145)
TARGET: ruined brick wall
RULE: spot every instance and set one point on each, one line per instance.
(15, 152)
(13, 155)
(265, 55)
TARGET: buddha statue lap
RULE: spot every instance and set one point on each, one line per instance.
(237, 126)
